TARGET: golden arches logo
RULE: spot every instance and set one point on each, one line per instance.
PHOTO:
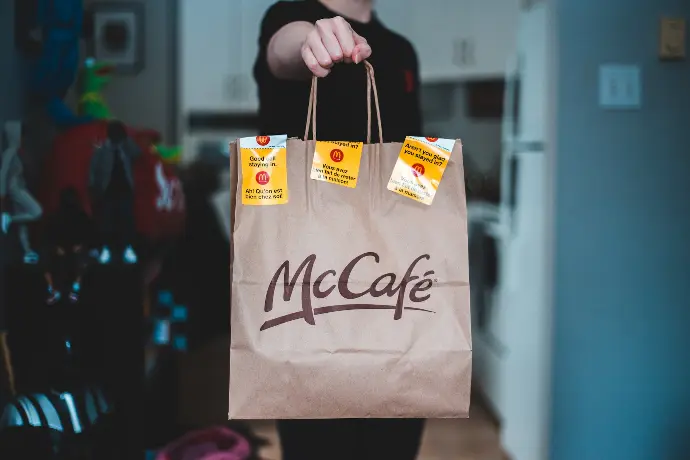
(263, 141)
(417, 170)
(337, 155)
(262, 177)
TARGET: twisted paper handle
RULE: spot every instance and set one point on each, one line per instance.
(371, 84)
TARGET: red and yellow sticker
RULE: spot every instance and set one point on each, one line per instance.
(420, 166)
(264, 170)
(337, 162)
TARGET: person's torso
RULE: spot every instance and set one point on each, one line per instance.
(342, 95)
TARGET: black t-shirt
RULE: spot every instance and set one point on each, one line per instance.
(341, 110)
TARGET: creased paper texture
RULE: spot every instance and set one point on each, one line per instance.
(350, 302)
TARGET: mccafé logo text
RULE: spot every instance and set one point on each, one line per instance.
(410, 287)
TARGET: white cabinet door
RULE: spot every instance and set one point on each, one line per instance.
(494, 30)
(460, 39)
(437, 30)
(533, 41)
(218, 47)
(252, 14)
(209, 50)
(442, 36)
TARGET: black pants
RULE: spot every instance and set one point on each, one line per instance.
(115, 216)
(350, 439)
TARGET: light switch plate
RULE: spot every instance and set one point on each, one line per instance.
(463, 52)
(620, 87)
(672, 39)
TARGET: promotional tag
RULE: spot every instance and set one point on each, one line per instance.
(420, 167)
(337, 162)
(264, 170)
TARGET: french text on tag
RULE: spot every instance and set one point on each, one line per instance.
(264, 170)
(420, 167)
(337, 162)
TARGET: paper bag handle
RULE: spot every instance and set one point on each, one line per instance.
(371, 83)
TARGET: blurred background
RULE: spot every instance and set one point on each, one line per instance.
(574, 120)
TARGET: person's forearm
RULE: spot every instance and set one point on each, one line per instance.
(285, 51)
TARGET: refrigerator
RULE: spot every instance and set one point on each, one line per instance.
(512, 351)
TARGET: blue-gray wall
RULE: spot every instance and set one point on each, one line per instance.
(11, 66)
(622, 281)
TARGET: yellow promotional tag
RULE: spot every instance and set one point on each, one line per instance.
(337, 162)
(264, 170)
(420, 167)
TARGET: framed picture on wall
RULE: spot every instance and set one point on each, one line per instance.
(117, 35)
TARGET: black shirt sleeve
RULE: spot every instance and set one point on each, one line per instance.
(277, 16)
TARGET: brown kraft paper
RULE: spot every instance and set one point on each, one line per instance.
(350, 302)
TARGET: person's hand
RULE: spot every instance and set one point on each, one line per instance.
(332, 41)
(5, 222)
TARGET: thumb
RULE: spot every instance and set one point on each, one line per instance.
(359, 40)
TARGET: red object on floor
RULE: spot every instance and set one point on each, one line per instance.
(216, 443)
(159, 206)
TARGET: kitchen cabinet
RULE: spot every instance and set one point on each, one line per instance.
(253, 12)
(443, 37)
(218, 46)
(456, 39)
(209, 49)
(493, 36)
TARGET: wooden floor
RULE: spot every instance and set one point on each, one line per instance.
(475, 438)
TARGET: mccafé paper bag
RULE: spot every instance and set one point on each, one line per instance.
(348, 302)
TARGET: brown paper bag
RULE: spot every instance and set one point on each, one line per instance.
(328, 315)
